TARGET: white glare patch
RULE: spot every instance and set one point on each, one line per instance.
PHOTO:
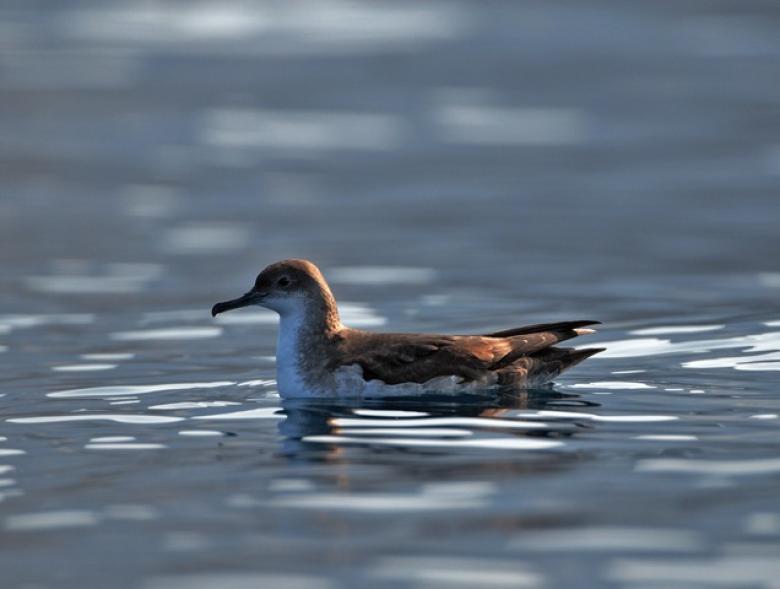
(359, 315)
(711, 467)
(670, 329)
(475, 116)
(301, 131)
(108, 357)
(765, 416)
(118, 418)
(11, 451)
(130, 512)
(83, 367)
(149, 201)
(380, 275)
(615, 384)
(386, 413)
(112, 439)
(13, 322)
(206, 238)
(609, 539)
(174, 333)
(122, 446)
(201, 433)
(132, 390)
(82, 284)
(667, 438)
(248, 317)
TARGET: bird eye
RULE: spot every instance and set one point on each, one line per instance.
(283, 281)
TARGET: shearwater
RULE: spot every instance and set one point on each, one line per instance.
(318, 356)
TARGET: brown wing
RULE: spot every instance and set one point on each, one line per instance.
(398, 358)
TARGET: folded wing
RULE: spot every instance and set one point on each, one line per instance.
(519, 356)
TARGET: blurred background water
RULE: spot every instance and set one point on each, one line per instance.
(452, 166)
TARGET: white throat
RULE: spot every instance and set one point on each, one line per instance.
(289, 378)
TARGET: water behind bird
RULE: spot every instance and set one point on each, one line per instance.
(452, 169)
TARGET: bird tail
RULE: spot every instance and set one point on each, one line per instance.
(545, 365)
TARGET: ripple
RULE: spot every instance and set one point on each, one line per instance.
(435, 432)
(609, 539)
(262, 413)
(172, 333)
(192, 405)
(260, 382)
(670, 329)
(115, 417)
(49, 520)
(491, 443)
(377, 503)
(228, 580)
(604, 418)
(438, 571)
(437, 421)
(630, 348)
(737, 571)
(6, 468)
(711, 467)
(737, 362)
(133, 390)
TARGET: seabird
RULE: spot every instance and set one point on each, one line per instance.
(318, 356)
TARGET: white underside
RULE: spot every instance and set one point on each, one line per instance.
(348, 381)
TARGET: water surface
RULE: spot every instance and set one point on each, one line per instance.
(453, 167)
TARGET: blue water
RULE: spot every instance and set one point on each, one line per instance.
(452, 167)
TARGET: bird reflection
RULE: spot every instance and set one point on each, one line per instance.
(319, 430)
